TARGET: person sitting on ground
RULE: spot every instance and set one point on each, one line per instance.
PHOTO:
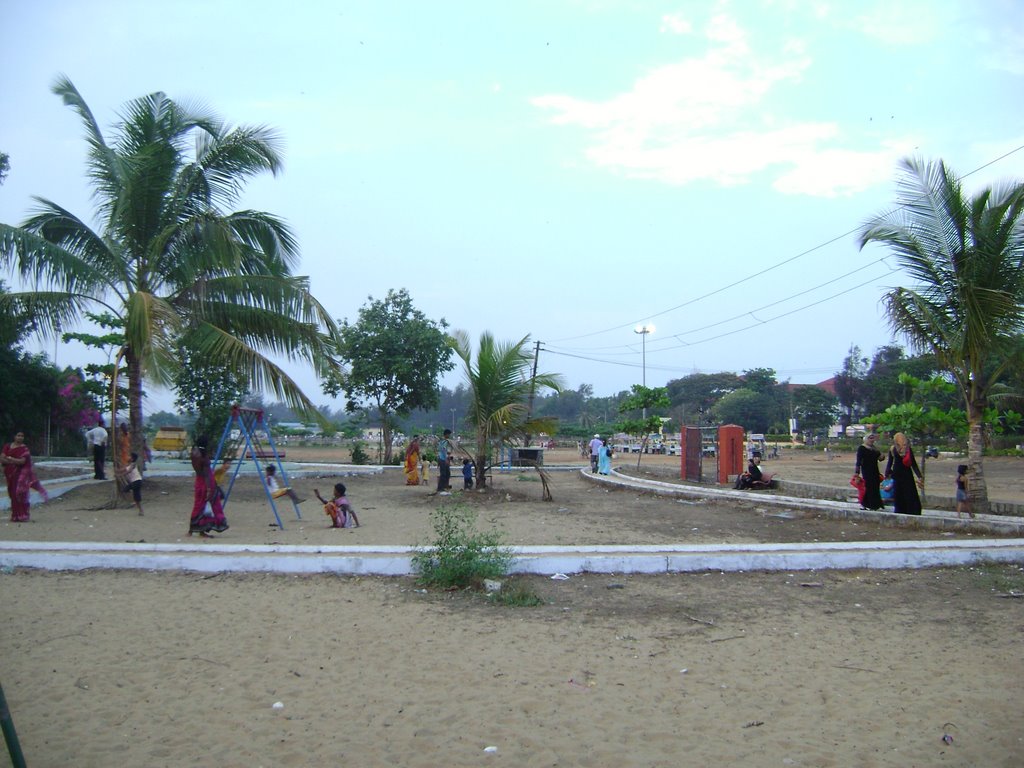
(754, 477)
(338, 509)
(276, 491)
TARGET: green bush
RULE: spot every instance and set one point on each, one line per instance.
(460, 556)
(359, 454)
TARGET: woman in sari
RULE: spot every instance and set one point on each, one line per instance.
(412, 462)
(207, 512)
(17, 462)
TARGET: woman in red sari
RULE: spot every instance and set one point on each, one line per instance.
(207, 512)
(17, 462)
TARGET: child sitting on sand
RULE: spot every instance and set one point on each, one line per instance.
(338, 509)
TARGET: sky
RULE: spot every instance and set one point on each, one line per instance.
(565, 170)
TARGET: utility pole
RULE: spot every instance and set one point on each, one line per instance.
(533, 387)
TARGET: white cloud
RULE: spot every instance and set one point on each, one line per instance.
(909, 22)
(709, 118)
(675, 24)
(834, 172)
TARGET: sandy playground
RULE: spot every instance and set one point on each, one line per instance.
(836, 668)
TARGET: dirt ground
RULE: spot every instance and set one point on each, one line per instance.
(392, 513)
(830, 668)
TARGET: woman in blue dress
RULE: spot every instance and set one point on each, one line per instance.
(604, 459)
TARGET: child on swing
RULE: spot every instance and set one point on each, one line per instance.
(276, 491)
(338, 509)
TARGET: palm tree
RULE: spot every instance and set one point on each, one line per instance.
(500, 384)
(168, 260)
(966, 256)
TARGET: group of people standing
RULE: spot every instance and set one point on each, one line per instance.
(901, 468)
(445, 450)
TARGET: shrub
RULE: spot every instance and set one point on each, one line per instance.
(359, 454)
(460, 556)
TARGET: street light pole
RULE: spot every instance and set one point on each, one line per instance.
(643, 330)
(453, 419)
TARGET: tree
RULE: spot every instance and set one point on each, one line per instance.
(642, 400)
(99, 376)
(5, 166)
(775, 402)
(815, 409)
(395, 355)
(168, 259)
(745, 407)
(850, 389)
(760, 380)
(695, 395)
(206, 391)
(499, 383)
(966, 258)
(882, 386)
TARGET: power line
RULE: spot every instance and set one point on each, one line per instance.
(765, 271)
(683, 344)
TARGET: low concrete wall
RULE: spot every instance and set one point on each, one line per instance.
(929, 500)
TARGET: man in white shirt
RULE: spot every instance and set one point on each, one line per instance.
(96, 439)
(595, 451)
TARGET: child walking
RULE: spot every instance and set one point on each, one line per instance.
(963, 503)
(338, 509)
(467, 474)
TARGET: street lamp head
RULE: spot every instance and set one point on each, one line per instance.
(644, 329)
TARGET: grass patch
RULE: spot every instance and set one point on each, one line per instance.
(1004, 578)
(460, 556)
(517, 594)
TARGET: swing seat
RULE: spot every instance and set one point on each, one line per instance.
(264, 454)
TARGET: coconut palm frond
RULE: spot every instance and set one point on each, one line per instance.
(152, 327)
(214, 344)
(75, 264)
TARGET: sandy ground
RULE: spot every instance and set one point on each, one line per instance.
(839, 668)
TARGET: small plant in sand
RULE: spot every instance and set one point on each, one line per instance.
(1004, 578)
(516, 594)
(460, 555)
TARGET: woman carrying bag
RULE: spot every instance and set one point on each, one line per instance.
(906, 476)
(867, 472)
